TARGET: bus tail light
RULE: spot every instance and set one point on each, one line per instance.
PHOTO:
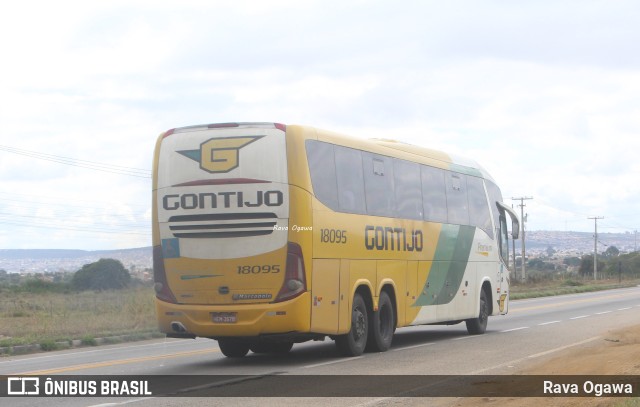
(161, 286)
(295, 282)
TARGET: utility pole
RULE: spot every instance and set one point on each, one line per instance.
(522, 205)
(595, 247)
(515, 269)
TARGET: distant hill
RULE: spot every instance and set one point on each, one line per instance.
(577, 242)
(54, 260)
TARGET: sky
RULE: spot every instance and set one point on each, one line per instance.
(545, 95)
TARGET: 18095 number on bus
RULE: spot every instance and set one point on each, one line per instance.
(264, 269)
(333, 236)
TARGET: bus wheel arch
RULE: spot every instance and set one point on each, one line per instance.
(383, 321)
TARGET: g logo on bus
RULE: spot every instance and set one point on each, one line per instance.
(219, 155)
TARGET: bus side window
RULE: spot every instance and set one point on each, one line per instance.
(495, 196)
(378, 182)
(350, 180)
(457, 202)
(322, 168)
(479, 213)
(433, 194)
(408, 189)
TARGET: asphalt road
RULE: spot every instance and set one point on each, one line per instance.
(533, 329)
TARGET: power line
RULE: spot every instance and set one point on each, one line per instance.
(61, 201)
(72, 228)
(18, 205)
(11, 216)
(92, 165)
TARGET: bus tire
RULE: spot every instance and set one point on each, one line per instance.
(231, 348)
(382, 325)
(354, 342)
(477, 326)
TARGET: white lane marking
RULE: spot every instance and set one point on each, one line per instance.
(603, 312)
(514, 329)
(580, 317)
(88, 351)
(548, 323)
(122, 403)
(460, 338)
(516, 361)
(332, 362)
(413, 346)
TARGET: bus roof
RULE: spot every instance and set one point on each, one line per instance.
(408, 152)
(387, 147)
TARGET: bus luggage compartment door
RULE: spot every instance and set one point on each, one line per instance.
(325, 296)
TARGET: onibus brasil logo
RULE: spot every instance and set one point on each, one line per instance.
(219, 155)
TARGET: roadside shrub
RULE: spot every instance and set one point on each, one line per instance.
(48, 345)
(572, 283)
(89, 341)
(105, 274)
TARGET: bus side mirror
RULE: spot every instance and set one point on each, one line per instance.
(515, 222)
(515, 229)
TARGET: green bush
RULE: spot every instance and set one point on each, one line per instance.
(89, 341)
(105, 274)
(572, 283)
(48, 345)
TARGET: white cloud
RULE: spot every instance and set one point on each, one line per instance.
(543, 95)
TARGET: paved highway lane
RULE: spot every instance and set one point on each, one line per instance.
(534, 329)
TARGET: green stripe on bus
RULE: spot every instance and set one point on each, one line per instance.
(449, 263)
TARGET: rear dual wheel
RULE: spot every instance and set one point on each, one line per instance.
(372, 331)
(382, 325)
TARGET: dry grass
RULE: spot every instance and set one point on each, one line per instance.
(27, 318)
(37, 317)
(548, 288)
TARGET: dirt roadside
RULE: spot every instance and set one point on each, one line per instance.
(615, 353)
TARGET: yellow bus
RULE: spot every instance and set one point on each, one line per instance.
(266, 235)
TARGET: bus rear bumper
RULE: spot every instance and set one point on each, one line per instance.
(246, 320)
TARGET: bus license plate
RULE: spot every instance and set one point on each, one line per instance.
(224, 317)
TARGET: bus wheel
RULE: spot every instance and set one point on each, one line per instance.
(477, 326)
(354, 342)
(231, 348)
(382, 325)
